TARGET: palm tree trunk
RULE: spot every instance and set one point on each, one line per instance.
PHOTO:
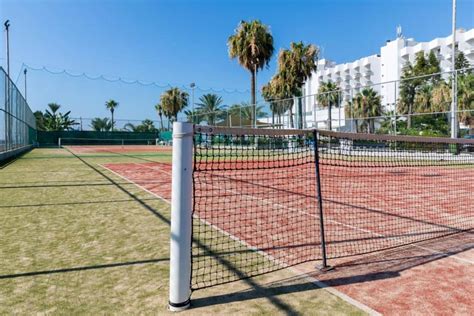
(290, 113)
(330, 116)
(112, 112)
(253, 97)
(161, 122)
(273, 119)
(409, 116)
(371, 126)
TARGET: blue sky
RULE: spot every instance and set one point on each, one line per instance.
(179, 42)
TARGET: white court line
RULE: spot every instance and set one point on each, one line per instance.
(329, 220)
(353, 227)
(271, 203)
(350, 226)
(317, 282)
(267, 202)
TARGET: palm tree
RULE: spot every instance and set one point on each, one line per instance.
(57, 121)
(39, 117)
(278, 93)
(280, 102)
(252, 45)
(67, 123)
(146, 126)
(407, 92)
(101, 124)
(51, 117)
(367, 105)
(194, 117)
(247, 111)
(159, 109)
(295, 66)
(422, 99)
(210, 107)
(350, 113)
(54, 107)
(269, 96)
(441, 97)
(465, 97)
(111, 105)
(173, 101)
(328, 96)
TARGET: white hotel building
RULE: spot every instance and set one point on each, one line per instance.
(381, 71)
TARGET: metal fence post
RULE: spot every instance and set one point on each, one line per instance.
(324, 265)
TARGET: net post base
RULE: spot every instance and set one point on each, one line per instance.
(324, 268)
(178, 307)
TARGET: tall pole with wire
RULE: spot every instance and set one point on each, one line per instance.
(7, 88)
(454, 120)
(254, 106)
(193, 86)
(7, 27)
(24, 72)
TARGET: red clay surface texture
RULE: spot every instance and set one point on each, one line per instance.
(366, 209)
(93, 149)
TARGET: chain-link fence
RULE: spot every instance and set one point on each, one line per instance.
(418, 105)
(17, 122)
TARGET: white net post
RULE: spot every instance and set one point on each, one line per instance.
(59, 142)
(181, 217)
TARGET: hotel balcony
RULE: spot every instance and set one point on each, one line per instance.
(368, 73)
(469, 51)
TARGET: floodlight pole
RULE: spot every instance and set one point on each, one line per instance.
(454, 120)
(24, 72)
(193, 86)
(254, 106)
(181, 217)
(7, 27)
(7, 90)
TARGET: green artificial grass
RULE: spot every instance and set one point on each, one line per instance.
(77, 239)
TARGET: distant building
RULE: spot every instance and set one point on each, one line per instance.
(381, 71)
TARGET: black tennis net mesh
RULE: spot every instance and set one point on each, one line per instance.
(256, 197)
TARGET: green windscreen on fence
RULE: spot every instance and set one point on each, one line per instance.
(49, 138)
(17, 122)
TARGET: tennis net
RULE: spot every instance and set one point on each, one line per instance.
(268, 199)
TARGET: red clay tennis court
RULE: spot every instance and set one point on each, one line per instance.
(95, 149)
(398, 232)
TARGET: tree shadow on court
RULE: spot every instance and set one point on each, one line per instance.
(73, 203)
(381, 266)
(83, 184)
(348, 272)
(82, 268)
(278, 303)
(293, 285)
